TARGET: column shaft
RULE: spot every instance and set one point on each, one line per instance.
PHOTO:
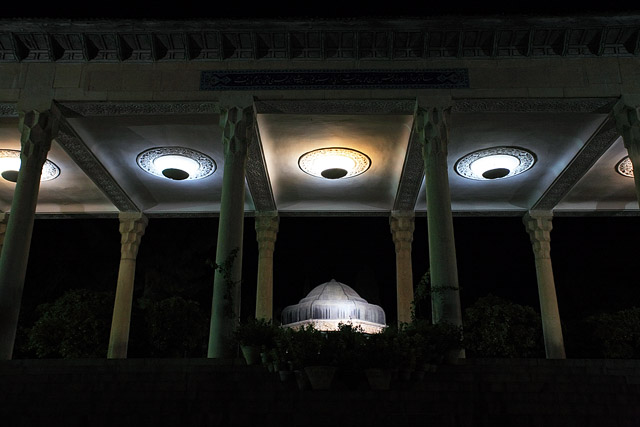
(237, 124)
(266, 233)
(132, 227)
(539, 226)
(37, 130)
(445, 297)
(402, 227)
(628, 123)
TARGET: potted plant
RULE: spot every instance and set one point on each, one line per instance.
(254, 336)
(313, 353)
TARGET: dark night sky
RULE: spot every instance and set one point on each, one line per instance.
(593, 259)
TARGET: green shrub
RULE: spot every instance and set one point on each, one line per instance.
(76, 325)
(613, 335)
(495, 327)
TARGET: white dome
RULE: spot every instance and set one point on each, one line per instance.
(331, 303)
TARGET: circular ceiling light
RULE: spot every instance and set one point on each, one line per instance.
(334, 163)
(10, 165)
(495, 163)
(176, 163)
(625, 167)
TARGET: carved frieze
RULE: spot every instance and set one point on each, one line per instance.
(84, 158)
(407, 40)
(334, 79)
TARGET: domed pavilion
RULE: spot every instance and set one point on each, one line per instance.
(332, 303)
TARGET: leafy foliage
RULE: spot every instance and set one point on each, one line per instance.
(610, 335)
(495, 327)
(176, 327)
(76, 325)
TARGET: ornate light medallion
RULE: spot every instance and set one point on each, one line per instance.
(10, 165)
(334, 163)
(625, 167)
(495, 163)
(176, 163)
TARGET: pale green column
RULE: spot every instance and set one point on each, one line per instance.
(4, 218)
(627, 116)
(538, 225)
(37, 129)
(266, 233)
(238, 126)
(132, 227)
(431, 125)
(402, 227)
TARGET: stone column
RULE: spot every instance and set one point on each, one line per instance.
(538, 225)
(402, 226)
(37, 129)
(266, 232)
(628, 123)
(132, 226)
(431, 125)
(4, 218)
(238, 125)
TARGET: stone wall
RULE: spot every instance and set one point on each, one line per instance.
(205, 392)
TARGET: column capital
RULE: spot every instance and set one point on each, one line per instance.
(432, 128)
(132, 227)
(237, 125)
(37, 129)
(402, 226)
(627, 117)
(267, 224)
(538, 225)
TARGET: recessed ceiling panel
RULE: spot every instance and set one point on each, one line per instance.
(117, 141)
(602, 188)
(72, 192)
(382, 138)
(553, 138)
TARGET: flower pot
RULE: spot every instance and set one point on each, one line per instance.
(302, 380)
(251, 354)
(320, 377)
(286, 376)
(378, 379)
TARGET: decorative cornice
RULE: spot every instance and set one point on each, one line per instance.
(84, 158)
(313, 40)
(532, 105)
(334, 79)
(411, 177)
(257, 176)
(86, 109)
(588, 155)
(373, 106)
(8, 110)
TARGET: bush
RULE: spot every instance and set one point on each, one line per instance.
(610, 335)
(176, 327)
(495, 327)
(76, 325)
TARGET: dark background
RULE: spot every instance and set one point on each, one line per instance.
(594, 259)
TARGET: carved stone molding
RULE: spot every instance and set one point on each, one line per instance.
(432, 129)
(84, 158)
(132, 227)
(402, 227)
(373, 106)
(8, 110)
(267, 224)
(334, 79)
(593, 149)
(411, 177)
(258, 177)
(538, 225)
(370, 40)
(532, 105)
(86, 109)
